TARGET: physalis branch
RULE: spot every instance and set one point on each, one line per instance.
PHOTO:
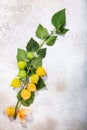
(30, 76)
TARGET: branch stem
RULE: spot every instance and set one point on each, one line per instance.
(15, 115)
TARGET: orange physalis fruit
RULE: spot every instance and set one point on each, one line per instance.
(25, 94)
(10, 111)
(34, 78)
(22, 113)
(31, 87)
(40, 71)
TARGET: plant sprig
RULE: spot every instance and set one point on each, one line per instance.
(29, 61)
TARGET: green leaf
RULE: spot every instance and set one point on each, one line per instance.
(65, 30)
(32, 71)
(61, 29)
(29, 101)
(40, 84)
(51, 40)
(41, 32)
(32, 45)
(19, 96)
(59, 18)
(36, 62)
(42, 53)
(22, 55)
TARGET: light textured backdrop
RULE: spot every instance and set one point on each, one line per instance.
(64, 105)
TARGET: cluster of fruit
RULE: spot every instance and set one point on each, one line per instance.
(29, 86)
(33, 79)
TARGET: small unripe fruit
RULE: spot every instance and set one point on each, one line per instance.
(30, 55)
(22, 65)
(22, 74)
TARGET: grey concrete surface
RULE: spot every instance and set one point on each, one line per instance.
(64, 105)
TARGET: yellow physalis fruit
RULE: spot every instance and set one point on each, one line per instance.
(40, 71)
(10, 111)
(16, 83)
(22, 113)
(31, 87)
(22, 65)
(25, 94)
(34, 78)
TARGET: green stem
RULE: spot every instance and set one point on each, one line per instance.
(17, 104)
(42, 43)
(29, 68)
(15, 115)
